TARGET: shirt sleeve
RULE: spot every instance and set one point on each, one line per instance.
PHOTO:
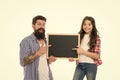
(24, 50)
(97, 50)
(97, 46)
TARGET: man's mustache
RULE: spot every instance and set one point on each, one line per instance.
(41, 29)
(40, 33)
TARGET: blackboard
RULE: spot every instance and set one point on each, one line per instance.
(62, 45)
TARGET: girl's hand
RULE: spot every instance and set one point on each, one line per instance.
(79, 50)
(71, 59)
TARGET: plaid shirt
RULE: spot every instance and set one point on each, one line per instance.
(96, 50)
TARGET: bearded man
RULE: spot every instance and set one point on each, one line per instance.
(33, 51)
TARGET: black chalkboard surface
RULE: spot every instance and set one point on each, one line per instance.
(62, 45)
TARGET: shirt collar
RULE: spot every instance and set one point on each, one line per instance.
(33, 37)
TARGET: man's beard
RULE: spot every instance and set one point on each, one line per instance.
(39, 33)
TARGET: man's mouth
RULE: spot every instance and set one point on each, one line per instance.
(41, 30)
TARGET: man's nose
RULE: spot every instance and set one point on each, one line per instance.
(41, 26)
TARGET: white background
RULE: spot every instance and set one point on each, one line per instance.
(63, 16)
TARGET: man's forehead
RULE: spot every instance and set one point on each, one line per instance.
(40, 21)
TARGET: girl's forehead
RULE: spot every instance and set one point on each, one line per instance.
(87, 21)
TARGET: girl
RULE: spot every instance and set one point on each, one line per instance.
(88, 50)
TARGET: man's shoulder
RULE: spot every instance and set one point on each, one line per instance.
(28, 38)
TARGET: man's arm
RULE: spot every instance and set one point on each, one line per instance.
(29, 59)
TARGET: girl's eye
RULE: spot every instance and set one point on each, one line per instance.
(89, 24)
(84, 24)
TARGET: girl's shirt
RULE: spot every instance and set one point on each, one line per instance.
(96, 49)
(85, 46)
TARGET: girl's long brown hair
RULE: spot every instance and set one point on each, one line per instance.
(93, 34)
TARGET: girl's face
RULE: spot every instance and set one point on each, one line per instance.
(87, 26)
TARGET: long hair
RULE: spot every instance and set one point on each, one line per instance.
(93, 34)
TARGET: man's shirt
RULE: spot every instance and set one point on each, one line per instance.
(28, 46)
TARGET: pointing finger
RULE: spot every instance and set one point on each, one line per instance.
(74, 48)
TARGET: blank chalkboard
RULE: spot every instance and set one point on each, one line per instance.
(62, 45)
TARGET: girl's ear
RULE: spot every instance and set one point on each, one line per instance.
(33, 26)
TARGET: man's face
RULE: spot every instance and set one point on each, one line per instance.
(39, 33)
(39, 29)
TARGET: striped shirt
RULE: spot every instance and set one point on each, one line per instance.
(28, 46)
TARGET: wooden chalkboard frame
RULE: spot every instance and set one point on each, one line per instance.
(62, 44)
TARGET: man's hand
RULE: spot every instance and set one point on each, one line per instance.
(51, 59)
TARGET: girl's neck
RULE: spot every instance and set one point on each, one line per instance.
(87, 34)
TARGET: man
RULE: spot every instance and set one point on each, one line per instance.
(32, 53)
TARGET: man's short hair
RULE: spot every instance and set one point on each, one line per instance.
(38, 17)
